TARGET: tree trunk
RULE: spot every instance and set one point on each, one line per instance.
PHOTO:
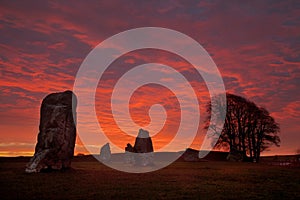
(249, 143)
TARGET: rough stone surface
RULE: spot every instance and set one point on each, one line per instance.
(105, 153)
(142, 152)
(57, 133)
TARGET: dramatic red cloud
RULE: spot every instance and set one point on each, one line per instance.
(140, 104)
(146, 96)
(254, 44)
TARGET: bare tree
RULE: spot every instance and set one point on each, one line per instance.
(248, 128)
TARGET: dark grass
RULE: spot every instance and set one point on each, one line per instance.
(88, 179)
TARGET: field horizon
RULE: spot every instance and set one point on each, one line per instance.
(217, 151)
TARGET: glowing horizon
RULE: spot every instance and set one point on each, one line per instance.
(255, 46)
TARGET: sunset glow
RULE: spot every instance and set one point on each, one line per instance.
(255, 45)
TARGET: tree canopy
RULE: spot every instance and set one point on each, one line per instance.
(248, 128)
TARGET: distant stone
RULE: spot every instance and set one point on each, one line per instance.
(129, 154)
(191, 155)
(142, 152)
(105, 153)
(57, 133)
(129, 148)
(235, 155)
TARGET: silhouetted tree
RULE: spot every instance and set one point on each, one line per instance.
(247, 128)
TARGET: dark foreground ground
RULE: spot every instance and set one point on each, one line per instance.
(88, 179)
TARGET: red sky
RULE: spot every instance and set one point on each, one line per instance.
(255, 44)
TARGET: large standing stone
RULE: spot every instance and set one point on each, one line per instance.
(105, 153)
(57, 133)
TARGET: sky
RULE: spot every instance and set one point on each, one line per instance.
(255, 45)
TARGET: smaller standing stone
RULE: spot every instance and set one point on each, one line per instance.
(142, 152)
(143, 146)
(129, 154)
(143, 142)
(105, 153)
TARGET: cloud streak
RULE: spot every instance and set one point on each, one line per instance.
(256, 46)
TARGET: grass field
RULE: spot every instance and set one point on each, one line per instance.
(88, 179)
